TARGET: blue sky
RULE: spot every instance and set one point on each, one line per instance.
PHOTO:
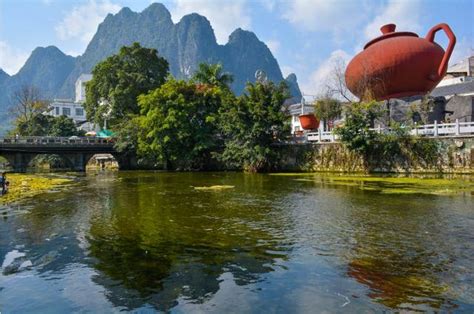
(306, 36)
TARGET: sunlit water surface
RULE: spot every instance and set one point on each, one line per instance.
(144, 241)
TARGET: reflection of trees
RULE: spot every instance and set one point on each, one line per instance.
(394, 257)
(162, 240)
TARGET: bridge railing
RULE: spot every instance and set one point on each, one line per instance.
(50, 140)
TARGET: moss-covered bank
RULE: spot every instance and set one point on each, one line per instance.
(452, 155)
(28, 185)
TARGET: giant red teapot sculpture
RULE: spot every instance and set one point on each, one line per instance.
(399, 64)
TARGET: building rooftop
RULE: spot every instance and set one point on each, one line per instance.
(455, 89)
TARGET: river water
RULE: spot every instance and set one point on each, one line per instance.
(145, 242)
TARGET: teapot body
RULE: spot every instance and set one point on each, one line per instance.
(396, 65)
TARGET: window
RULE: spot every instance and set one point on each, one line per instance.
(79, 112)
(66, 111)
(57, 112)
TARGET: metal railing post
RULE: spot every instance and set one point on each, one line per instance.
(416, 128)
(435, 128)
(458, 127)
(320, 137)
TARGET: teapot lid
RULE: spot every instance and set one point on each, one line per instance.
(388, 31)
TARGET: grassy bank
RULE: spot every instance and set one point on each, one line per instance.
(28, 185)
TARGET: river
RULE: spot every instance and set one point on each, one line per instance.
(146, 241)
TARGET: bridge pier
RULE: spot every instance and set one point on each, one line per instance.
(19, 161)
(126, 161)
(78, 161)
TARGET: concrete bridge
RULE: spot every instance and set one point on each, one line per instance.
(76, 151)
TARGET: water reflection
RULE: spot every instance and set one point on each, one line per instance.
(151, 248)
(135, 241)
(405, 255)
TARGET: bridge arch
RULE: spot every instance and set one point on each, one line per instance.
(77, 151)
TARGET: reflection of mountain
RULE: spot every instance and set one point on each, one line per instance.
(150, 248)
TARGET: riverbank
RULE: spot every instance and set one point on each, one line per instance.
(450, 156)
(29, 185)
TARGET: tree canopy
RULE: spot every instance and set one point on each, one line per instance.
(179, 124)
(120, 79)
(252, 124)
(213, 74)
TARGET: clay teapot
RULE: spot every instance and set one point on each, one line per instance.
(309, 121)
(399, 64)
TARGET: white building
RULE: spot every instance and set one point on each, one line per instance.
(81, 87)
(69, 108)
(458, 81)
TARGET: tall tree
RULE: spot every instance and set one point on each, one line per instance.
(120, 79)
(179, 124)
(213, 74)
(27, 103)
(252, 124)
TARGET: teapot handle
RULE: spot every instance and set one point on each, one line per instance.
(452, 42)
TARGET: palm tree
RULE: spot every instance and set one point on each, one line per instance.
(213, 74)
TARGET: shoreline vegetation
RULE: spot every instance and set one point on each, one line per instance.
(23, 186)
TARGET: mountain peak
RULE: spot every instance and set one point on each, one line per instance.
(242, 35)
(158, 10)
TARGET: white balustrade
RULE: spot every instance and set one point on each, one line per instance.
(465, 129)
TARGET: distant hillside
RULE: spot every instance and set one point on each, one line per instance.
(184, 45)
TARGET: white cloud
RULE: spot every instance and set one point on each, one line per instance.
(325, 16)
(81, 23)
(225, 16)
(463, 49)
(320, 78)
(287, 70)
(273, 45)
(404, 13)
(11, 59)
(268, 4)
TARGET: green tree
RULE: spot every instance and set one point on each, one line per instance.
(120, 79)
(327, 109)
(356, 133)
(213, 74)
(27, 109)
(252, 124)
(45, 125)
(179, 124)
(62, 126)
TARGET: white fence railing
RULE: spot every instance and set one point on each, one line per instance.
(427, 130)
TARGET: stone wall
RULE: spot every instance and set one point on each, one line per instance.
(455, 155)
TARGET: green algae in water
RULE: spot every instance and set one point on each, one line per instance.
(214, 187)
(28, 185)
(392, 185)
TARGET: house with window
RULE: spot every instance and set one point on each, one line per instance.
(68, 108)
(74, 108)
